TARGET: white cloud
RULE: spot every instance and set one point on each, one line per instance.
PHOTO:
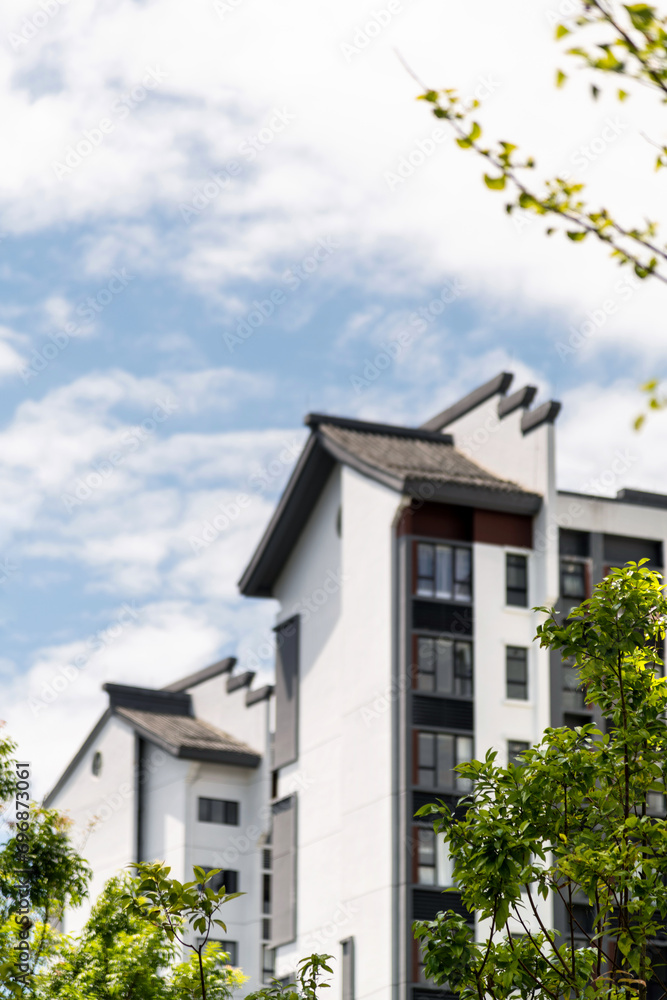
(354, 118)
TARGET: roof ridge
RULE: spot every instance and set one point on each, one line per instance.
(315, 420)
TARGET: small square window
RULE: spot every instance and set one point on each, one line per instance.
(444, 666)
(230, 947)
(228, 878)
(517, 580)
(573, 580)
(515, 748)
(516, 668)
(438, 754)
(444, 571)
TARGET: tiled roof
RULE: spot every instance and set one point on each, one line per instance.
(184, 736)
(408, 458)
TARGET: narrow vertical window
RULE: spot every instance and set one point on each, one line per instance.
(425, 570)
(286, 746)
(435, 866)
(347, 968)
(517, 580)
(516, 668)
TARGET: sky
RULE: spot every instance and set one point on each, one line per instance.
(217, 217)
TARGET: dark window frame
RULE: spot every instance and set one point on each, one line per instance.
(516, 596)
(458, 587)
(514, 748)
(462, 674)
(515, 685)
(226, 812)
(422, 768)
(229, 877)
(583, 568)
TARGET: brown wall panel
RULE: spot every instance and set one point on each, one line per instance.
(437, 520)
(496, 528)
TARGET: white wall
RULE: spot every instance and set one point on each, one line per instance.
(102, 809)
(343, 775)
(529, 460)
(611, 517)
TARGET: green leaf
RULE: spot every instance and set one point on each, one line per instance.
(641, 15)
(495, 183)
(576, 236)
(528, 201)
(560, 78)
(623, 95)
(595, 92)
(561, 31)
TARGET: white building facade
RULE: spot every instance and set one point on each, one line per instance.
(405, 563)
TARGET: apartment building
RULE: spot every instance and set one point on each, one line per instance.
(443, 538)
(405, 563)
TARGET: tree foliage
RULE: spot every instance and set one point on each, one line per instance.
(629, 43)
(178, 910)
(572, 826)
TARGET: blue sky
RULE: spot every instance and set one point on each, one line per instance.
(172, 181)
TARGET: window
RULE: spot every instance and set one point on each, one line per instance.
(434, 862)
(219, 811)
(96, 766)
(514, 750)
(266, 893)
(655, 803)
(438, 754)
(286, 745)
(268, 963)
(228, 878)
(347, 969)
(231, 947)
(444, 666)
(573, 579)
(517, 580)
(574, 697)
(516, 667)
(283, 850)
(444, 571)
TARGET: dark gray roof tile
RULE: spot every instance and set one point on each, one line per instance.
(194, 739)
